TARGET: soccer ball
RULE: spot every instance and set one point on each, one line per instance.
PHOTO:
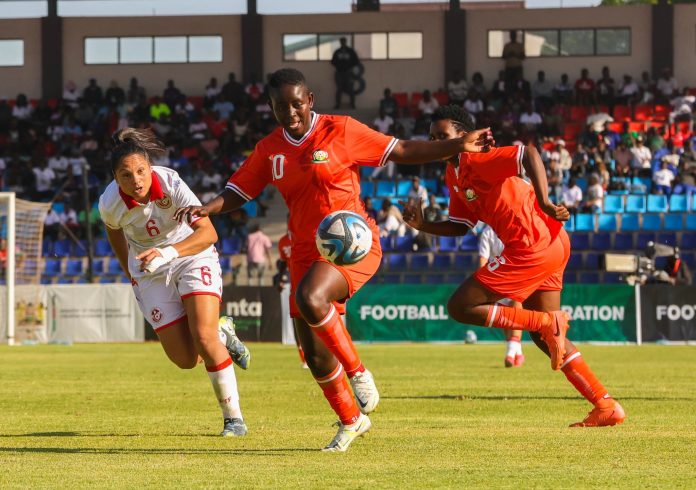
(344, 238)
(470, 337)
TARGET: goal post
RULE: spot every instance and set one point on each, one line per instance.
(21, 231)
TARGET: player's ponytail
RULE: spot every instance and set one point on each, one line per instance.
(128, 141)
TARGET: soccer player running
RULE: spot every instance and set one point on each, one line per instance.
(313, 160)
(490, 247)
(173, 267)
(488, 187)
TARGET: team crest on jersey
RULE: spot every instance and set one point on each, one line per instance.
(320, 156)
(156, 315)
(470, 195)
(164, 203)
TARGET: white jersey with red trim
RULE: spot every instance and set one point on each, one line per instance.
(151, 225)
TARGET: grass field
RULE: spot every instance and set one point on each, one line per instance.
(122, 416)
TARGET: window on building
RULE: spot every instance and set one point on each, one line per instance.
(577, 42)
(205, 49)
(11, 52)
(171, 49)
(565, 42)
(368, 45)
(101, 50)
(613, 41)
(149, 49)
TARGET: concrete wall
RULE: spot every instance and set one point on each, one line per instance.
(685, 44)
(22, 79)
(399, 75)
(191, 78)
(636, 17)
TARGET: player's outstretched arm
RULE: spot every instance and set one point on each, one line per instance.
(410, 151)
(120, 247)
(413, 216)
(536, 172)
(224, 202)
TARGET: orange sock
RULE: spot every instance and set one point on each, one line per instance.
(300, 351)
(337, 392)
(581, 376)
(333, 333)
(501, 316)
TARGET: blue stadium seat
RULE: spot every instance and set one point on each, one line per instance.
(403, 244)
(102, 248)
(231, 245)
(469, 242)
(434, 279)
(580, 241)
(457, 277)
(678, 203)
(667, 238)
(465, 262)
(396, 261)
(612, 278)
(98, 266)
(442, 261)
(387, 243)
(584, 222)
(592, 260)
(660, 262)
(430, 184)
(643, 239)
(64, 280)
(607, 222)
(114, 267)
(570, 224)
(44, 280)
(651, 222)
(588, 277)
(62, 248)
(81, 280)
(402, 188)
(419, 262)
(689, 258)
(570, 277)
(657, 203)
(575, 262)
(123, 279)
(448, 243)
(623, 241)
(691, 221)
(52, 267)
(630, 222)
(674, 222)
(601, 241)
(635, 204)
(106, 280)
(641, 185)
(367, 189)
(688, 241)
(385, 188)
(252, 208)
(613, 204)
(47, 247)
(413, 279)
(73, 267)
(582, 184)
(225, 264)
(391, 278)
(80, 249)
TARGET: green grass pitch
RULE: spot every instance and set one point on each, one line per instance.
(123, 416)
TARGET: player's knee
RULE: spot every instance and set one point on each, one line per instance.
(189, 362)
(205, 343)
(311, 302)
(458, 311)
(317, 362)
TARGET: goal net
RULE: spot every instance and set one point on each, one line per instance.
(22, 309)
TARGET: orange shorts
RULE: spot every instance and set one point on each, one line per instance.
(356, 274)
(517, 275)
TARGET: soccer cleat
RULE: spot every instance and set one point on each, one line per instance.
(603, 416)
(554, 335)
(238, 351)
(509, 361)
(234, 428)
(519, 360)
(365, 391)
(347, 434)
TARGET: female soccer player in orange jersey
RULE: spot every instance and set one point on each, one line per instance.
(488, 187)
(314, 160)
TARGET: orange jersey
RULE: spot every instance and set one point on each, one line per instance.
(316, 175)
(285, 248)
(487, 187)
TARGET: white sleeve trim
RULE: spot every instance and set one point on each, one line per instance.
(520, 156)
(235, 188)
(462, 221)
(387, 152)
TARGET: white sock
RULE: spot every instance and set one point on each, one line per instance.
(513, 347)
(225, 386)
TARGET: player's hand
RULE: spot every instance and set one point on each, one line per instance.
(147, 257)
(413, 215)
(559, 213)
(188, 213)
(479, 141)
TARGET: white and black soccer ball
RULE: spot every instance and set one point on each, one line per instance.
(470, 337)
(344, 238)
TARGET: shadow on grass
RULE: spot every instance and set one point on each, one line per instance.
(528, 397)
(180, 451)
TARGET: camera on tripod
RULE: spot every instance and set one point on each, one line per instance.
(641, 269)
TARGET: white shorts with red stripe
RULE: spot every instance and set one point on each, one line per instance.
(160, 296)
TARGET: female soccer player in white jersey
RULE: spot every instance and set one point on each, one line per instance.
(173, 266)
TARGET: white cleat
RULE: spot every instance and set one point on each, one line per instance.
(238, 351)
(347, 434)
(365, 391)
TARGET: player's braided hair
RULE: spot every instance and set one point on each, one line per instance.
(460, 118)
(286, 76)
(128, 141)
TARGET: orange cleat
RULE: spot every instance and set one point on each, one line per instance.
(509, 361)
(554, 335)
(612, 414)
(519, 360)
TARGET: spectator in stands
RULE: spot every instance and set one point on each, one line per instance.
(647, 88)
(473, 103)
(254, 90)
(383, 123)
(595, 195)
(584, 88)
(159, 109)
(258, 253)
(542, 92)
(370, 208)
(52, 224)
(92, 94)
(642, 156)
(44, 179)
(554, 176)
(68, 218)
(22, 109)
(135, 92)
(457, 88)
(513, 55)
(606, 88)
(563, 91)
(344, 59)
(212, 90)
(663, 179)
(477, 85)
(388, 104)
(114, 96)
(623, 158)
(666, 87)
(71, 95)
(172, 96)
(530, 119)
(389, 220)
(683, 106)
(223, 107)
(433, 211)
(239, 225)
(417, 191)
(565, 161)
(572, 195)
(629, 91)
(427, 104)
(5, 114)
(233, 91)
